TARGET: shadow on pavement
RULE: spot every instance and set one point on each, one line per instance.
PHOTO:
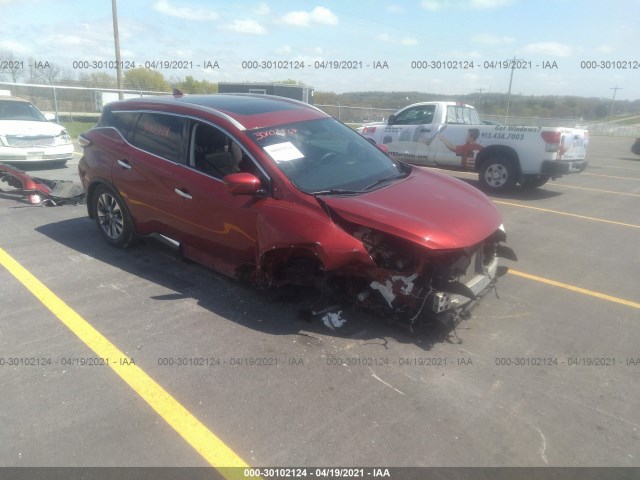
(517, 192)
(275, 311)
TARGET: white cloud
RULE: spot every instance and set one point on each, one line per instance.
(434, 5)
(407, 41)
(15, 47)
(459, 54)
(319, 15)
(63, 40)
(604, 49)
(395, 9)
(262, 9)
(488, 39)
(554, 49)
(490, 3)
(186, 13)
(179, 53)
(249, 27)
(284, 50)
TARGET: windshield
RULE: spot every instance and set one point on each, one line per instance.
(325, 156)
(13, 110)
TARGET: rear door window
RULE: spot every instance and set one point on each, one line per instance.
(161, 134)
(462, 115)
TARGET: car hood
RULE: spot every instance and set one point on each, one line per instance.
(428, 208)
(29, 128)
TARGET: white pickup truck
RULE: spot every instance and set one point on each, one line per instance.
(451, 135)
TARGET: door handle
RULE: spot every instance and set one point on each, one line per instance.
(184, 194)
(125, 164)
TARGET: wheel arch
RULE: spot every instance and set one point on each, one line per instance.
(281, 265)
(95, 183)
(498, 151)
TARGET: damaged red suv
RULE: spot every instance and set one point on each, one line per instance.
(275, 190)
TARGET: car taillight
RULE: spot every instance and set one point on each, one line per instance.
(369, 130)
(84, 142)
(552, 141)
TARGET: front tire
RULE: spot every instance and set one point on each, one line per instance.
(112, 217)
(498, 174)
(534, 181)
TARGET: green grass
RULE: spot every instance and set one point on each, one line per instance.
(634, 120)
(76, 128)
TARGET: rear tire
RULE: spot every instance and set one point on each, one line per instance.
(498, 174)
(112, 217)
(534, 181)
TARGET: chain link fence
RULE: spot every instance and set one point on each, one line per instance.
(357, 115)
(70, 104)
(83, 105)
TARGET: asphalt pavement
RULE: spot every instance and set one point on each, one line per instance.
(545, 373)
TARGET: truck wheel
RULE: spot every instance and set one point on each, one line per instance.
(497, 174)
(534, 181)
(112, 217)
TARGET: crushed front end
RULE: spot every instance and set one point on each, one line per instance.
(410, 281)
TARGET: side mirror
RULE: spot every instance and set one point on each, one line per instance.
(391, 120)
(50, 117)
(242, 183)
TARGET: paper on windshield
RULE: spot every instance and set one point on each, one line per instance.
(283, 152)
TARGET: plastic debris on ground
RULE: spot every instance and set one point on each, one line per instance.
(334, 320)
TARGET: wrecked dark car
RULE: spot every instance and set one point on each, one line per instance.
(276, 191)
(40, 191)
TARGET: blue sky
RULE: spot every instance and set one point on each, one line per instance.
(567, 32)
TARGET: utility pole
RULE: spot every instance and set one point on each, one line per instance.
(116, 40)
(615, 90)
(513, 67)
(479, 90)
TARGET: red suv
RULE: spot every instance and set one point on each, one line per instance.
(275, 190)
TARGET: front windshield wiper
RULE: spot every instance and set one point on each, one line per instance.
(336, 191)
(385, 179)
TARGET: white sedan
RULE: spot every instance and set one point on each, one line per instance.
(27, 136)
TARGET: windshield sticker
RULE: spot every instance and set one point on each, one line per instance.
(283, 152)
(281, 132)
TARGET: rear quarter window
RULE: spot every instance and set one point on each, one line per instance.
(124, 122)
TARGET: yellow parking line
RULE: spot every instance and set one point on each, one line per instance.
(596, 189)
(609, 176)
(584, 291)
(602, 165)
(568, 214)
(189, 427)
